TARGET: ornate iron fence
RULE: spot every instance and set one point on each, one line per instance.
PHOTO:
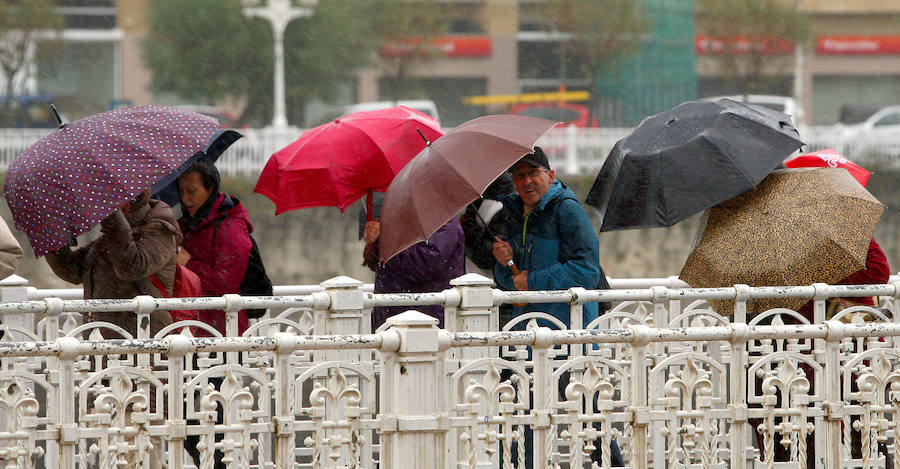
(674, 383)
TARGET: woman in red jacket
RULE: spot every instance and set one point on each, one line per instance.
(216, 244)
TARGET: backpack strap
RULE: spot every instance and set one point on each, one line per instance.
(159, 285)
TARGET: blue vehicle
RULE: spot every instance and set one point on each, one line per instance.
(27, 111)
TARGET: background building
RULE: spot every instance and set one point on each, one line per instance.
(503, 47)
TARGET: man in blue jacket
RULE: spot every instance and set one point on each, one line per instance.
(549, 238)
(552, 242)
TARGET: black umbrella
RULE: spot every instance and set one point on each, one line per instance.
(166, 188)
(687, 159)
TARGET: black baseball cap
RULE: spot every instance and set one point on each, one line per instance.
(536, 158)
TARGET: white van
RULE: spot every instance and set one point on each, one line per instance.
(425, 106)
(785, 104)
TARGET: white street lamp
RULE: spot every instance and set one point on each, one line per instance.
(279, 13)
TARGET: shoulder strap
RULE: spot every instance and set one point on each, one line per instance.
(159, 285)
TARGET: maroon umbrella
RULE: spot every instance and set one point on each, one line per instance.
(450, 173)
(72, 179)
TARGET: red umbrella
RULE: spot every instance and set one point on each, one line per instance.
(450, 173)
(334, 164)
(70, 180)
(829, 158)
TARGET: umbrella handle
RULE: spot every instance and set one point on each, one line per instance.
(515, 270)
(369, 206)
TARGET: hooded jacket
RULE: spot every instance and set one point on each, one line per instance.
(221, 262)
(10, 251)
(556, 244)
(120, 268)
(426, 266)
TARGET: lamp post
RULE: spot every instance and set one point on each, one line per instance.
(279, 13)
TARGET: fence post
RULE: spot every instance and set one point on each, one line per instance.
(67, 427)
(475, 313)
(834, 404)
(176, 425)
(344, 315)
(15, 288)
(572, 150)
(413, 396)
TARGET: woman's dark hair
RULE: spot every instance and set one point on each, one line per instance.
(208, 174)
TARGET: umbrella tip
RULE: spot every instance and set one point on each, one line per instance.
(427, 142)
(56, 113)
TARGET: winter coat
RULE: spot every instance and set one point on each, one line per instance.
(220, 263)
(556, 244)
(109, 268)
(10, 251)
(427, 266)
(876, 272)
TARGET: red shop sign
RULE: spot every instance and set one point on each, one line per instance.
(451, 46)
(741, 45)
(857, 45)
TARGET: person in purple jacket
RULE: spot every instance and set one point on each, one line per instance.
(427, 266)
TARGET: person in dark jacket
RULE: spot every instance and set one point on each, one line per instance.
(427, 266)
(137, 241)
(549, 238)
(482, 220)
(217, 248)
(217, 242)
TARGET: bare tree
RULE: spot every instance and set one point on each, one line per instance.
(603, 33)
(751, 40)
(22, 24)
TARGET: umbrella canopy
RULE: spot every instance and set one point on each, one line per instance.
(166, 189)
(683, 161)
(334, 164)
(798, 227)
(829, 158)
(70, 180)
(450, 173)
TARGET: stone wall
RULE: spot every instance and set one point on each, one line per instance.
(311, 245)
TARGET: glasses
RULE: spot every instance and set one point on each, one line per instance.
(531, 173)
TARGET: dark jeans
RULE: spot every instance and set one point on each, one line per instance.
(528, 445)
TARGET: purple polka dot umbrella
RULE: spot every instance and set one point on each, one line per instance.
(69, 181)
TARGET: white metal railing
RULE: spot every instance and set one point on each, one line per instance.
(573, 150)
(672, 381)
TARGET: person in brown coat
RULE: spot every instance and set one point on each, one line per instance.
(139, 240)
(10, 251)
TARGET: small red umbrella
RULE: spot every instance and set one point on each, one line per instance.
(829, 158)
(67, 182)
(336, 163)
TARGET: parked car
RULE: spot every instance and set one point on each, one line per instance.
(785, 104)
(878, 135)
(28, 112)
(226, 119)
(425, 106)
(567, 113)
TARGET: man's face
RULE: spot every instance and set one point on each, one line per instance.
(531, 182)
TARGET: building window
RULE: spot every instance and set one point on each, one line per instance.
(87, 14)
